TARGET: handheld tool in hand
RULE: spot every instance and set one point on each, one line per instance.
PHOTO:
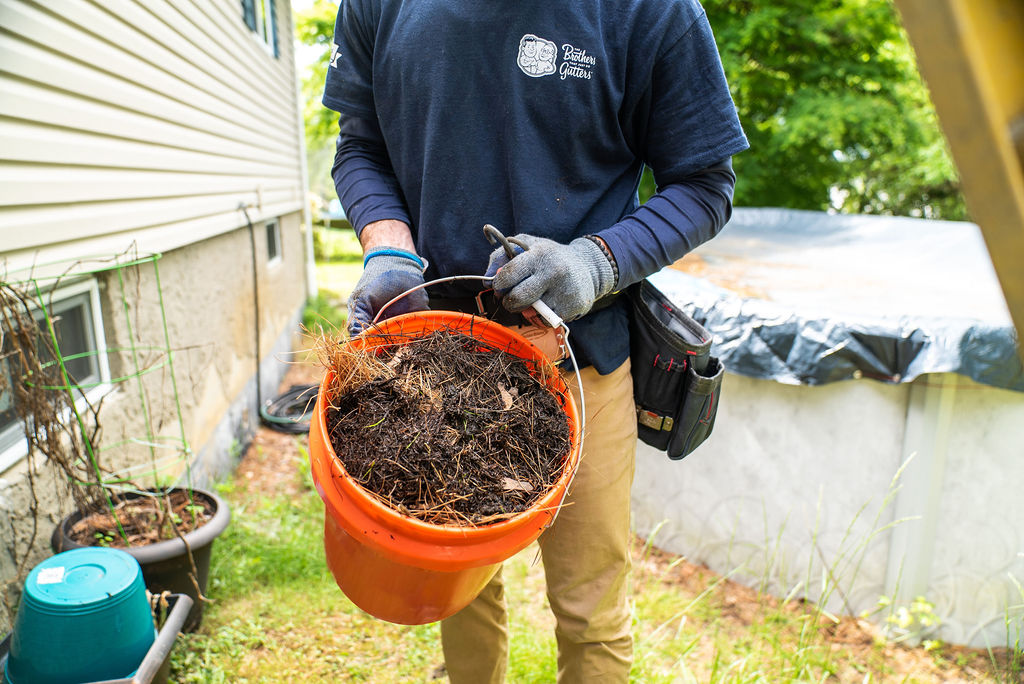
(539, 313)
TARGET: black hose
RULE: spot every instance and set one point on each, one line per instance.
(290, 411)
(256, 302)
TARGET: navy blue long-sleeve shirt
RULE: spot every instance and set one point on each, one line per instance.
(537, 117)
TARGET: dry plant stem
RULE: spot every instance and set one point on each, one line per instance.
(193, 575)
(445, 427)
(29, 357)
(26, 373)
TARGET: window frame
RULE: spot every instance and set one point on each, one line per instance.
(264, 24)
(273, 228)
(101, 385)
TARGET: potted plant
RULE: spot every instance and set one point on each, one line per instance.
(169, 528)
(172, 560)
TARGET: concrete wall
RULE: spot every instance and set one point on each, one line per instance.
(852, 491)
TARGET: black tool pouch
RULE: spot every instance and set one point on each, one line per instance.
(676, 381)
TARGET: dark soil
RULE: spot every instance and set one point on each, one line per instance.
(143, 520)
(451, 430)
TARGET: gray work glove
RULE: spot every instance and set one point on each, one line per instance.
(568, 278)
(387, 273)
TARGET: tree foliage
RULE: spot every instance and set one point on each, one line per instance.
(827, 90)
(835, 110)
(314, 30)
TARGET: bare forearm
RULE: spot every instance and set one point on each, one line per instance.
(387, 233)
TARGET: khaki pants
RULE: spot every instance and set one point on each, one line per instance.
(585, 555)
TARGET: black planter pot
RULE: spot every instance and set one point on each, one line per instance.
(165, 565)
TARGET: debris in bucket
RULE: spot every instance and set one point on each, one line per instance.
(446, 428)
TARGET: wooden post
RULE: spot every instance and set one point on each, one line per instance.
(971, 53)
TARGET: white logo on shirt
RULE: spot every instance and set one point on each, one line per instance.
(576, 62)
(335, 54)
(536, 56)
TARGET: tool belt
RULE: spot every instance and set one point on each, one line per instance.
(676, 382)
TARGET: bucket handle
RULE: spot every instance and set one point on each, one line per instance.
(548, 316)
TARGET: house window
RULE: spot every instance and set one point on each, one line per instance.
(273, 242)
(75, 313)
(261, 18)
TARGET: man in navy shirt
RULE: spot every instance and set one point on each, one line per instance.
(537, 117)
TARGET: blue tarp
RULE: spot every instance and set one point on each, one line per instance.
(810, 298)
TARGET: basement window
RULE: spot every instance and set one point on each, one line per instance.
(75, 312)
(273, 242)
(261, 18)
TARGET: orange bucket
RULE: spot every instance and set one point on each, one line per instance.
(404, 570)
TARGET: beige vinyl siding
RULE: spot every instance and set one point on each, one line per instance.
(147, 121)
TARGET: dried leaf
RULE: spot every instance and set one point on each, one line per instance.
(510, 485)
(507, 397)
(397, 358)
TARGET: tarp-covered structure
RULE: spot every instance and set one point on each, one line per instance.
(810, 298)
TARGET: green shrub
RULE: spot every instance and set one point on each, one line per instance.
(336, 244)
(324, 311)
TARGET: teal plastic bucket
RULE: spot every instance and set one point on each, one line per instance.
(84, 617)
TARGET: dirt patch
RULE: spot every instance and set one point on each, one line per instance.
(859, 646)
(274, 461)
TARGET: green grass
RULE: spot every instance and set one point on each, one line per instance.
(277, 616)
(336, 244)
(323, 311)
(338, 278)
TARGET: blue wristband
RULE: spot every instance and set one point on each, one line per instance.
(390, 251)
